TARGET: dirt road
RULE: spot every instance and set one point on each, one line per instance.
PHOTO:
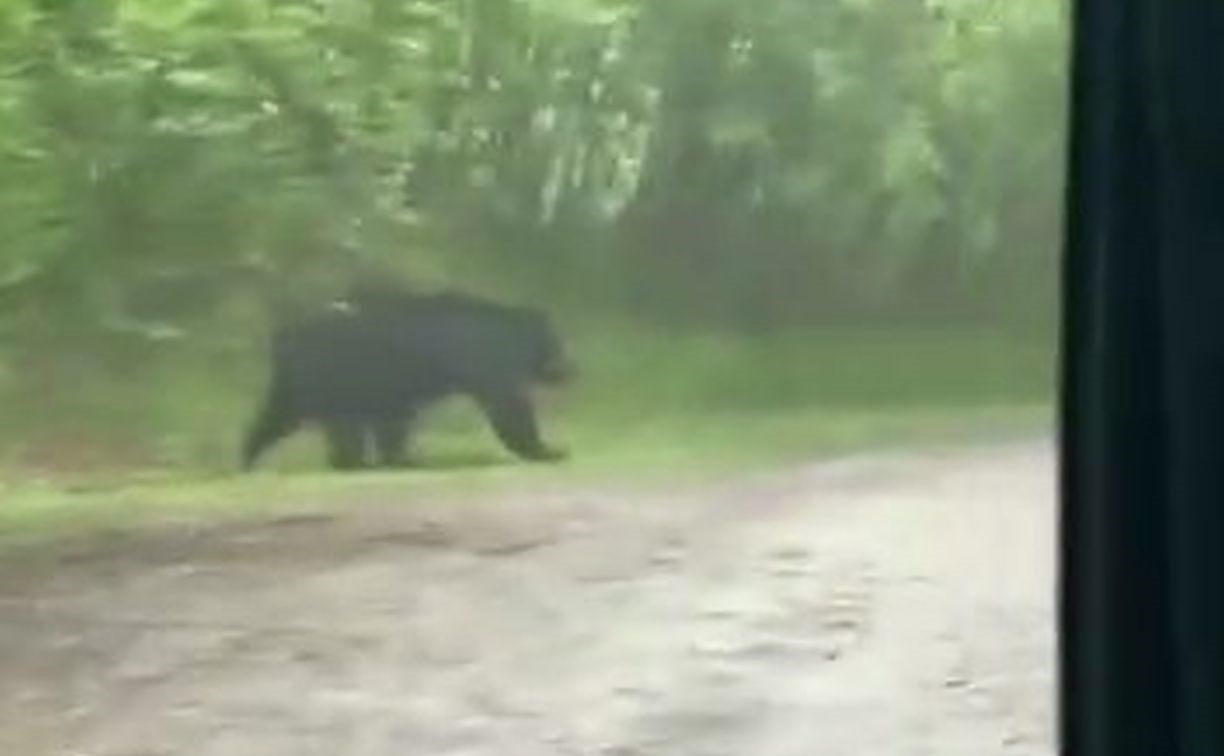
(891, 604)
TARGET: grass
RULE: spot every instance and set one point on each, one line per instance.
(649, 405)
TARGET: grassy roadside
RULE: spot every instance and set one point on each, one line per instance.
(650, 407)
(668, 449)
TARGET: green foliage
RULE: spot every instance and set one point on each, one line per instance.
(175, 175)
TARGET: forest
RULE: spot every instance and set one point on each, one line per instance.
(840, 218)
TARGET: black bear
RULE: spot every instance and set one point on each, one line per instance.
(365, 370)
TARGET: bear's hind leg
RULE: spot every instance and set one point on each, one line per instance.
(391, 439)
(275, 421)
(345, 443)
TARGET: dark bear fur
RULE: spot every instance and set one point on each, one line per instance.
(365, 370)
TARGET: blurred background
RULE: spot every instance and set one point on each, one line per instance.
(764, 227)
